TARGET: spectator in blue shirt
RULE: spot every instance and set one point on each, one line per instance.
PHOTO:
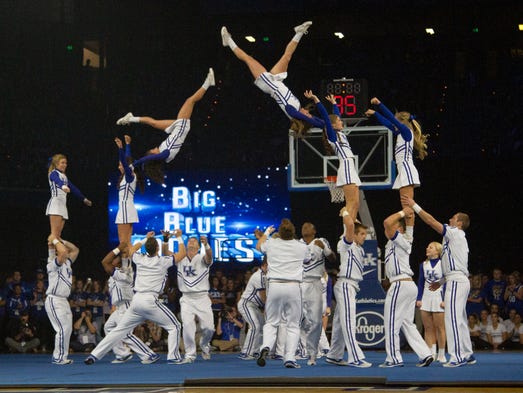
(229, 326)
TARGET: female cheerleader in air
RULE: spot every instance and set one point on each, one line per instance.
(409, 136)
(60, 186)
(271, 82)
(127, 214)
(177, 131)
(347, 176)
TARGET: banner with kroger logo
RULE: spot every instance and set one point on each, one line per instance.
(370, 330)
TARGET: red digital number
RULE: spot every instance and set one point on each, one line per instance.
(346, 104)
(350, 105)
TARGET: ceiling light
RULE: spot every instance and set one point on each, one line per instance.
(429, 30)
(250, 38)
(339, 34)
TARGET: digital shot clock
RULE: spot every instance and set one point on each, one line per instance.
(351, 95)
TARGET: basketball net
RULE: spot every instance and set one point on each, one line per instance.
(337, 195)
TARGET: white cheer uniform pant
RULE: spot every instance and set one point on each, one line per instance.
(400, 305)
(283, 303)
(144, 306)
(59, 313)
(344, 323)
(252, 314)
(121, 349)
(458, 338)
(196, 306)
(312, 315)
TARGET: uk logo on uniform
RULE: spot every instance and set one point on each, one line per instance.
(188, 271)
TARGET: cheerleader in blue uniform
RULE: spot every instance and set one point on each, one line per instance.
(431, 302)
(127, 214)
(409, 137)
(60, 186)
(176, 130)
(271, 82)
(347, 175)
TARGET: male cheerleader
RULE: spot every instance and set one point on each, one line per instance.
(117, 264)
(400, 302)
(347, 284)
(285, 257)
(311, 289)
(454, 259)
(151, 270)
(61, 256)
(195, 303)
(250, 306)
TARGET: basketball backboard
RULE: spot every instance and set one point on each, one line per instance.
(372, 145)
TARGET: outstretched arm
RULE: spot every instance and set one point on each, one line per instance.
(122, 157)
(160, 156)
(81, 196)
(313, 120)
(425, 216)
(178, 256)
(349, 225)
(331, 134)
(263, 238)
(335, 107)
(389, 120)
(208, 250)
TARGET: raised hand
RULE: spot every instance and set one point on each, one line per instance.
(118, 142)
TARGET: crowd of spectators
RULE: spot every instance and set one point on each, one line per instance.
(24, 326)
(494, 310)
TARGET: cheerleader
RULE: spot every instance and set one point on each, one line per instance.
(431, 302)
(127, 214)
(60, 186)
(409, 137)
(271, 82)
(337, 142)
(177, 131)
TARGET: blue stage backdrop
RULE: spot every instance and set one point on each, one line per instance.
(226, 206)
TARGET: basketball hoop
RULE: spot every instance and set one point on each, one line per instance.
(337, 195)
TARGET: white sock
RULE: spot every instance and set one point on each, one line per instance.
(206, 84)
(134, 119)
(297, 37)
(433, 349)
(231, 44)
(441, 353)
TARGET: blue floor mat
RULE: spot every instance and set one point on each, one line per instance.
(36, 370)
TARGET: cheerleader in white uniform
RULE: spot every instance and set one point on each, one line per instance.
(409, 136)
(337, 143)
(431, 302)
(271, 82)
(60, 186)
(127, 214)
(176, 130)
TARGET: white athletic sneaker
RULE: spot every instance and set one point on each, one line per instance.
(337, 362)
(360, 364)
(181, 361)
(210, 77)
(225, 36)
(153, 359)
(303, 27)
(311, 361)
(124, 359)
(442, 359)
(124, 121)
(63, 362)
